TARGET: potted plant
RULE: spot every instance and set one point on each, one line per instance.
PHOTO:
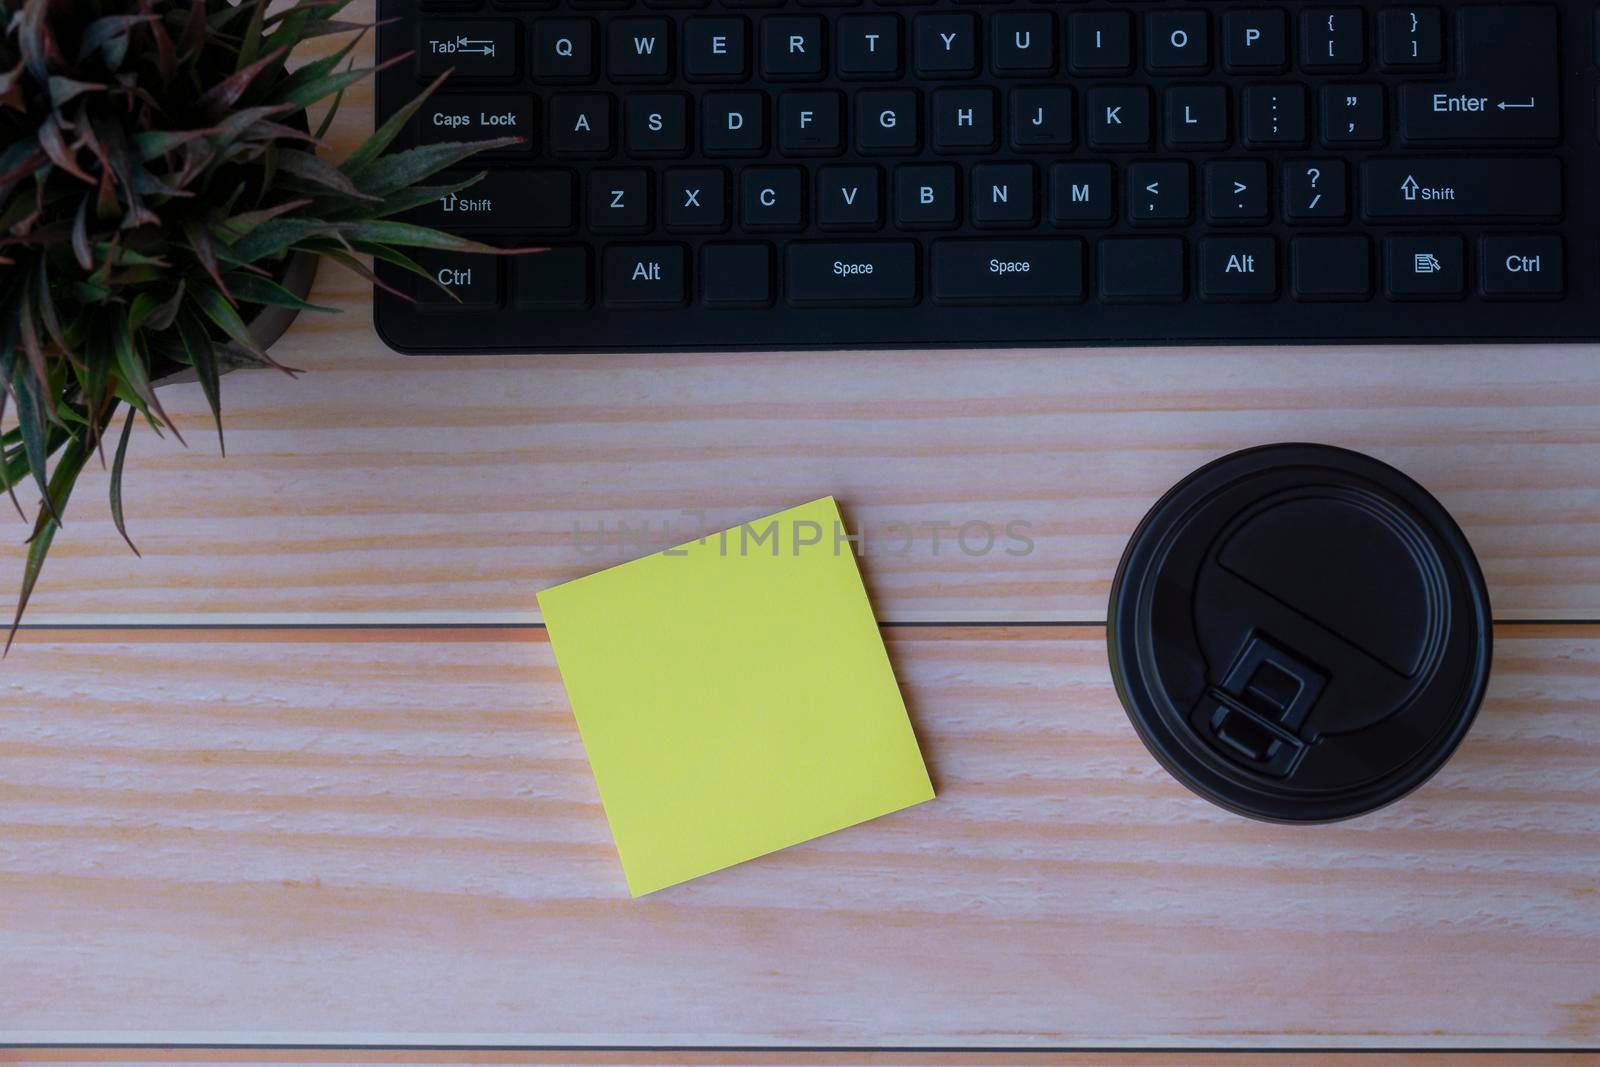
(164, 202)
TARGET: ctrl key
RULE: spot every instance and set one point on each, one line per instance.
(469, 279)
(643, 275)
(1520, 268)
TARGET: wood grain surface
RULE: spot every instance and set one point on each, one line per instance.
(383, 831)
(832, 1058)
(387, 488)
(356, 835)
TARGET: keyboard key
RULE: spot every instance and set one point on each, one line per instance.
(819, 274)
(1100, 42)
(503, 201)
(1352, 115)
(1332, 268)
(1505, 90)
(472, 48)
(619, 201)
(1080, 194)
(809, 124)
(472, 118)
(944, 45)
(1041, 119)
(1039, 271)
(733, 124)
(563, 50)
(657, 124)
(1254, 41)
(1520, 268)
(1141, 270)
(1236, 191)
(1238, 268)
(1197, 116)
(1177, 42)
(791, 47)
(640, 50)
(869, 46)
(1314, 190)
(848, 198)
(557, 278)
(1119, 118)
(963, 120)
(1425, 268)
(695, 199)
(772, 198)
(716, 49)
(925, 197)
(887, 122)
(1022, 45)
(1407, 189)
(1333, 38)
(736, 275)
(470, 281)
(580, 124)
(643, 275)
(1002, 195)
(1275, 116)
(1411, 38)
(1158, 193)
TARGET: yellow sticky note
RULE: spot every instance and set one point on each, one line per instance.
(734, 696)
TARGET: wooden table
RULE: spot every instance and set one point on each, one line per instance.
(305, 773)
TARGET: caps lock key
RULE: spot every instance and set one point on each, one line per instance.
(472, 118)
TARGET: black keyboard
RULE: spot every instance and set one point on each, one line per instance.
(853, 173)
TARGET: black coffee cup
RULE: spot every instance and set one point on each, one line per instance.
(1299, 633)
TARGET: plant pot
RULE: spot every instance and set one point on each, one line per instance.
(299, 271)
(266, 326)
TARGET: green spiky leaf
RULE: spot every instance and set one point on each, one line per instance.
(157, 172)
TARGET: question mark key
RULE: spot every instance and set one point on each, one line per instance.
(1315, 189)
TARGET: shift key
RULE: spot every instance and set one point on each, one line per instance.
(1407, 189)
(853, 274)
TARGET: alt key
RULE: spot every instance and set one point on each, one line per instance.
(1520, 268)
(643, 275)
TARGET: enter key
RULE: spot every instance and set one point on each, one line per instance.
(1505, 87)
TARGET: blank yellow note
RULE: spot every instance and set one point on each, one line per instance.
(734, 696)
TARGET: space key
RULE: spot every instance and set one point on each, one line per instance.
(1024, 271)
(853, 274)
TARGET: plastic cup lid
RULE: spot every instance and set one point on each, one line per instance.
(1299, 633)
